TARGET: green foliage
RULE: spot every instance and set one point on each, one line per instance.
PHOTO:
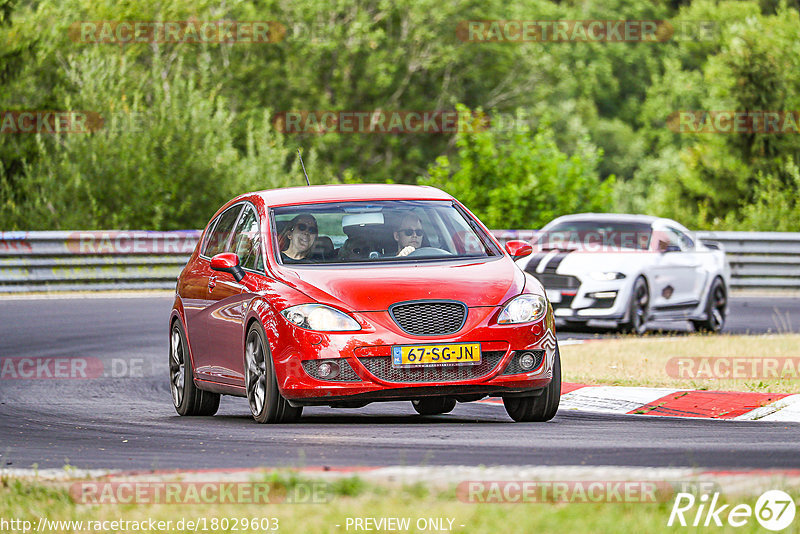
(776, 206)
(166, 165)
(189, 125)
(519, 178)
(724, 180)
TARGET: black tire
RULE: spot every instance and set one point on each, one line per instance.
(541, 408)
(266, 402)
(434, 405)
(186, 397)
(638, 308)
(716, 308)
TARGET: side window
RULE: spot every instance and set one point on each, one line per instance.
(247, 241)
(221, 232)
(669, 236)
(686, 241)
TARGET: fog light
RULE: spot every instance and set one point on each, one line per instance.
(527, 361)
(325, 370)
(603, 295)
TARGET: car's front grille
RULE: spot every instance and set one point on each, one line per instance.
(381, 368)
(429, 318)
(557, 281)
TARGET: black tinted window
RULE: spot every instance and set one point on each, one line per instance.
(247, 241)
(220, 233)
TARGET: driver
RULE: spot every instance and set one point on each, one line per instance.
(296, 241)
(409, 234)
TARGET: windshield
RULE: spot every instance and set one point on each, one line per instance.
(595, 236)
(376, 231)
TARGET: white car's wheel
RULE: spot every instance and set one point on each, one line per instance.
(638, 308)
(716, 306)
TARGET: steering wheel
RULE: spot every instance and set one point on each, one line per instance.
(430, 251)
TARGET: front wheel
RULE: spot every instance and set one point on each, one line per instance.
(186, 397)
(638, 308)
(716, 305)
(541, 408)
(266, 402)
(434, 405)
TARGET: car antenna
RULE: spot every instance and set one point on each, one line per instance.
(304, 166)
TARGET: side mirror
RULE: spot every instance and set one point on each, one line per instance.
(518, 249)
(228, 262)
(672, 248)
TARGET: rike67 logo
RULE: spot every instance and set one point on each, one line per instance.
(774, 510)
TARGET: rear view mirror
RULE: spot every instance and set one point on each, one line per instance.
(518, 249)
(228, 262)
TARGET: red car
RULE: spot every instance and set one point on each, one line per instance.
(343, 295)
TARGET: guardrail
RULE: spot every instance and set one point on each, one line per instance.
(104, 260)
(68, 261)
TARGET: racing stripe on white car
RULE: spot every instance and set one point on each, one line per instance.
(554, 262)
(533, 263)
(550, 255)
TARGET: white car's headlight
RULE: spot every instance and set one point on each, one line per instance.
(523, 309)
(607, 275)
(320, 317)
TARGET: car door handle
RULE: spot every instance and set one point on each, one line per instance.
(212, 282)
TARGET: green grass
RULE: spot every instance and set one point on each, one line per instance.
(649, 361)
(352, 497)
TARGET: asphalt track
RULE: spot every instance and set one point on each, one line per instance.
(127, 422)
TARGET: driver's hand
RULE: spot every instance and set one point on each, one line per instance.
(406, 251)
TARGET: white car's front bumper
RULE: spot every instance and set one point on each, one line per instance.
(603, 300)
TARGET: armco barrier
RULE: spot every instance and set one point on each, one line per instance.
(99, 260)
(102, 260)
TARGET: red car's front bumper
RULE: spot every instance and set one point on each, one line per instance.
(368, 374)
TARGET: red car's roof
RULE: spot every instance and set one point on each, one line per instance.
(345, 192)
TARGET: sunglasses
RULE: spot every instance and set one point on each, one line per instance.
(303, 227)
(410, 231)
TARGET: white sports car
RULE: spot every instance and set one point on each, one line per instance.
(630, 269)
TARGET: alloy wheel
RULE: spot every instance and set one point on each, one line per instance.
(176, 366)
(256, 375)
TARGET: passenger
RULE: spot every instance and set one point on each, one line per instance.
(296, 241)
(409, 234)
(355, 248)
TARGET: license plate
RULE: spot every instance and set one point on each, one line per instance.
(451, 354)
(553, 296)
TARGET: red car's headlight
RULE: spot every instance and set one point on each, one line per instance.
(320, 317)
(523, 309)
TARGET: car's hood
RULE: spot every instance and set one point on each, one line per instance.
(576, 261)
(373, 288)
